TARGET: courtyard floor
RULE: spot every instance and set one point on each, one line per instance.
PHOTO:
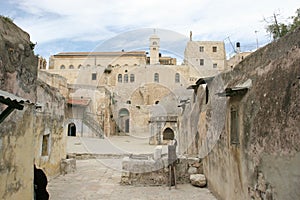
(99, 178)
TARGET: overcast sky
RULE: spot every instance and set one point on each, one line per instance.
(84, 25)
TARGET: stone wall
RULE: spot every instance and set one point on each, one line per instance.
(263, 161)
(146, 171)
(18, 72)
(50, 137)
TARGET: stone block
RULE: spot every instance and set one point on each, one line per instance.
(192, 170)
(198, 180)
(192, 161)
(157, 152)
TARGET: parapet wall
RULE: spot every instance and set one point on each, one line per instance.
(145, 171)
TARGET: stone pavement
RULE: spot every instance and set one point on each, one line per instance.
(99, 179)
(112, 145)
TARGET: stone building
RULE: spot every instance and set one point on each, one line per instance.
(244, 124)
(207, 57)
(32, 114)
(128, 90)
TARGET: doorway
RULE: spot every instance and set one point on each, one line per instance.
(72, 130)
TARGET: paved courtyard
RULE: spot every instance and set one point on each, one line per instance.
(99, 179)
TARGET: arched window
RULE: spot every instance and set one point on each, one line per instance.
(79, 66)
(131, 78)
(125, 78)
(156, 77)
(120, 78)
(62, 67)
(177, 78)
(71, 67)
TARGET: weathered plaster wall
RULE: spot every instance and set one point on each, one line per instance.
(265, 163)
(18, 72)
(49, 121)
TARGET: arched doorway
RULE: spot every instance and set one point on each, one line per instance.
(168, 134)
(71, 129)
(124, 120)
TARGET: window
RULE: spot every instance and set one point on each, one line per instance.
(215, 65)
(45, 145)
(126, 78)
(131, 78)
(156, 77)
(71, 67)
(120, 78)
(214, 49)
(154, 43)
(177, 78)
(154, 49)
(79, 66)
(128, 102)
(62, 67)
(94, 76)
(201, 48)
(201, 62)
(234, 126)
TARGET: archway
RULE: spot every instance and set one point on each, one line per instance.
(168, 134)
(72, 130)
(124, 120)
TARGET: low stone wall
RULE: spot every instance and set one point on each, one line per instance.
(147, 171)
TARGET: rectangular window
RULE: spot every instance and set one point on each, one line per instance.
(45, 145)
(215, 65)
(201, 62)
(214, 49)
(201, 48)
(94, 76)
(234, 126)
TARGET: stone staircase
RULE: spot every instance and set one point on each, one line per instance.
(90, 122)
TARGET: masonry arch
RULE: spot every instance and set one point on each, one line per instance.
(149, 94)
(168, 134)
(124, 120)
(71, 129)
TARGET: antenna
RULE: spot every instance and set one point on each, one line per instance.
(231, 44)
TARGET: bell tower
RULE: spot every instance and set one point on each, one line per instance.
(154, 49)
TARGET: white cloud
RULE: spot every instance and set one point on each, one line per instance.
(98, 20)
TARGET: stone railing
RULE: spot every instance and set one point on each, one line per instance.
(90, 122)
